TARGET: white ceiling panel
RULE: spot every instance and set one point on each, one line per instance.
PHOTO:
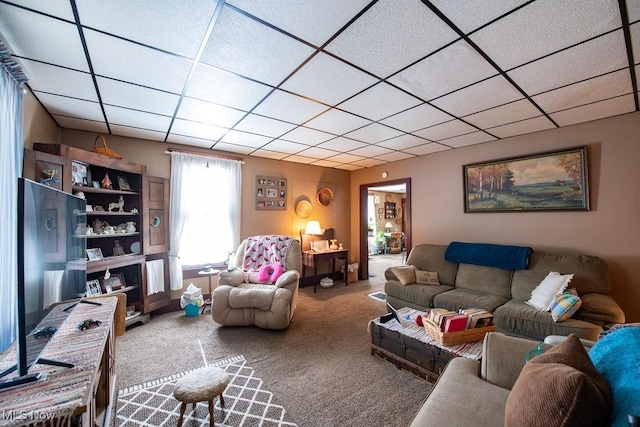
(28, 34)
(264, 126)
(599, 56)
(49, 78)
(132, 132)
(342, 144)
(635, 40)
(317, 80)
(233, 148)
(349, 167)
(81, 124)
(512, 112)
(60, 9)
(416, 118)
(289, 107)
(586, 92)
(197, 130)
(525, 126)
(380, 101)
(190, 141)
(300, 159)
(422, 150)
(481, 96)
(133, 118)
(369, 162)
(468, 15)
(345, 158)
(445, 130)
(282, 146)
(64, 106)
(317, 153)
(371, 43)
(247, 139)
(337, 121)
(558, 25)
(151, 22)
(633, 10)
(451, 68)
(468, 139)
(307, 136)
(127, 95)
(402, 142)
(370, 151)
(207, 112)
(244, 46)
(313, 21)
(221, 87)
(118, 59)
(395, 156)
(326, 163)
(269, 154)
(597, 110)
(373, 133)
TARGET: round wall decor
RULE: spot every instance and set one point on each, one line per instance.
(303, 209)
(388, 197)
(325, 196)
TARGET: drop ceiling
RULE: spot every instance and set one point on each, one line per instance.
(342, 84)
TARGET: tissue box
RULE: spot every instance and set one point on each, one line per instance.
(192, 293)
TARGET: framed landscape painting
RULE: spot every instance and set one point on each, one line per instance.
(552, 181)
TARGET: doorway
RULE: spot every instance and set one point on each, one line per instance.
(401, 220)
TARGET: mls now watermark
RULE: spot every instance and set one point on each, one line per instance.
(9, 415)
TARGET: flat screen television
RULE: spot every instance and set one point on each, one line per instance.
(51, 267)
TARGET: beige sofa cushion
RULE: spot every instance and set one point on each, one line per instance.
(431, 258)
(488, 280)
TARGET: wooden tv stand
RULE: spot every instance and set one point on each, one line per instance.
(81, 395)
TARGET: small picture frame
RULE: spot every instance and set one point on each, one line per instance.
(93, 288)
(271, 192)
(94, 254)
(89, 208)
(114, 282)
(123, 184)
(79, 174)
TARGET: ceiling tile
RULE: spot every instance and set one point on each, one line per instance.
(300, 159)
(246, 139)
(239, 149)
(307, 136)
(456, 66)
(207, 112)
(445, 130)
(345, 158)
(81, 124)
(139, 119)
(28, 34)
(598, 110)
(373, 133)
(370, 151)
(118, 59)
(468, 139)
(416, 118)
(425, 149)
(481, 96)
(191, 141)
(512, 112)
(635, 40)
(471, 14)
(325, 163)
(64, 106)
(269, 154)
(127, 95)
(317, 80)
(395, 156)
(177, 27)
(349, 167)
(317, 153)
(289, 107)
(314, 21)
(337, 122)
(214, 85)
(133, 132)
(342, 144)
(264, 126)
(372, 44)
(368, 163)
(402, 142)
(61, 9)
(284, 146)
(242, 45)
(633, 9)
(380, 101)
(596, 89)
(599, 56)
(557, 26)
(197, 130)
(525, 126)
(52, 79)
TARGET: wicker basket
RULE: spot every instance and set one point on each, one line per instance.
(455, 338)
(104, 150)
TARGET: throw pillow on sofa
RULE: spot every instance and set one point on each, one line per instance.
(427, 278)
(543, 295)
(405, 274)
(565, 305)
(560, 387)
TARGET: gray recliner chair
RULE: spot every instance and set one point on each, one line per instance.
(268, 306)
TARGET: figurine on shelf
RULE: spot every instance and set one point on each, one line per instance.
(334, 244)
(106, 182)
(117, 205)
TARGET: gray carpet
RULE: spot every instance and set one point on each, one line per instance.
(320, 369)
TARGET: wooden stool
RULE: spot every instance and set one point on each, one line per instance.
(201, 385)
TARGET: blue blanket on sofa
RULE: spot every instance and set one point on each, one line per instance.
(499, 256)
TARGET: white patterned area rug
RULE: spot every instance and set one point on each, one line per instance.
(247, 402)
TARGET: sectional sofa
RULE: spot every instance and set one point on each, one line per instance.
(503, 291)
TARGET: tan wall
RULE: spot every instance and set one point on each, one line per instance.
(610, 230)
(38, 126)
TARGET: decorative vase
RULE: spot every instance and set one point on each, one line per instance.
(333, 245)
(131, 227)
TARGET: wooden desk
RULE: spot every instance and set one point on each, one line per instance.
(311, 259)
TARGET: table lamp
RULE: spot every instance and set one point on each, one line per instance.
(387, 227)
(313, 228)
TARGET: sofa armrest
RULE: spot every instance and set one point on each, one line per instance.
(287, 278)
(231, 278)
(600, 309)
(503, 357)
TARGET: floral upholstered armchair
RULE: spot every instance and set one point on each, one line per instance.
(251, 291)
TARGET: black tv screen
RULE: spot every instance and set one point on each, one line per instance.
(51, 262)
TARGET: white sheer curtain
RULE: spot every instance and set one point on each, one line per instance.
(204, 212)
(10, 169)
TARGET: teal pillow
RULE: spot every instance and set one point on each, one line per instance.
(616, 357)
(565, 305)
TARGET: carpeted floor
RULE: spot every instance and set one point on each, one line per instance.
(320, 368)
(247, 402)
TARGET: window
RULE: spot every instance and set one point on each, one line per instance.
(204, 213)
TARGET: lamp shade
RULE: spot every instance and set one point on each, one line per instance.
(313, 227)
(388, 225)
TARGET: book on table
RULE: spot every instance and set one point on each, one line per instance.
(456, 323)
